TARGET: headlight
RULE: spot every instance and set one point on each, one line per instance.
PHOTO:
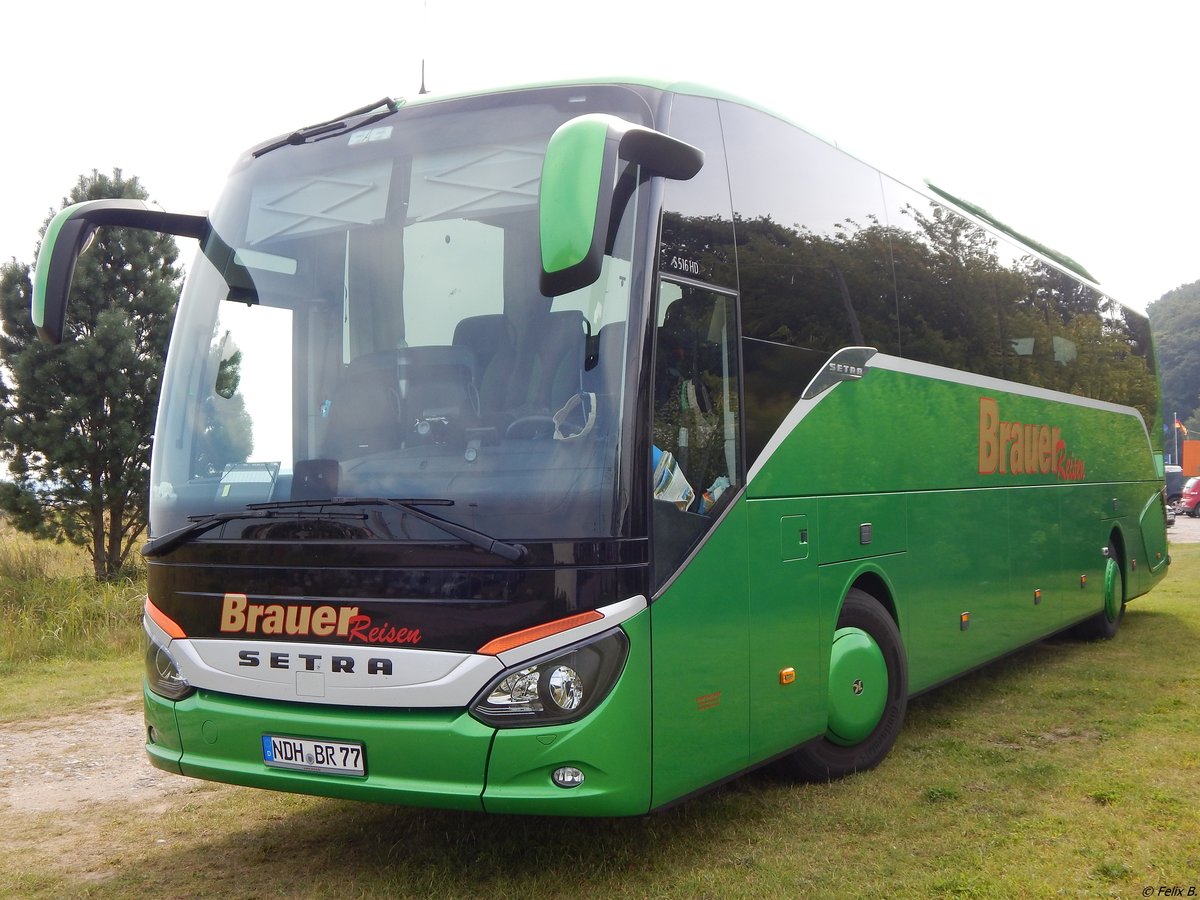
(561, 687)
(162, 674)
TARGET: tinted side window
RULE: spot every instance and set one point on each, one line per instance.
(813, 265)
(956, 290)
(973, 300)
(812, 251)
(698, 220)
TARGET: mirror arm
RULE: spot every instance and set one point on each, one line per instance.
(67, 237)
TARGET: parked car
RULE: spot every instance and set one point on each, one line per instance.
(1189, 501)
(1174, 480)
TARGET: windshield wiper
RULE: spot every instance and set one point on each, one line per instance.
(333, 126)
(200, 525)
(474, 537)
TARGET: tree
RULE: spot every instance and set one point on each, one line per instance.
(1175, 320)
(78, 417)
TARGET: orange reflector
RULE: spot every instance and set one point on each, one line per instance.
(964, 621)
(537, 632)
(1083, 581)
(787, 676)
(1037, 596)
(165, 622)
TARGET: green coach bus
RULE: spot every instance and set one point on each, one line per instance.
(571, 449)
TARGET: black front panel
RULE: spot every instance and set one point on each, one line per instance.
(434, 597)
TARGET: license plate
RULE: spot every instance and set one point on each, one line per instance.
(309, 755)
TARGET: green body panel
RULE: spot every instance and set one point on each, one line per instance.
(862, 527)
(785, 619)
(436, 758)
(166, 749)
(701, 656)
(1153, 534)
(882, 484)
(1019, 552)
(611, 746)
(960, 553)
(893, 431)
(433, 758)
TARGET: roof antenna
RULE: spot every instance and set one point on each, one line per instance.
(424, 31)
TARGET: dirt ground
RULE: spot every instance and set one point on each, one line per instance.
(63, 764)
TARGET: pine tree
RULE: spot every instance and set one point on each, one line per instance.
(78, 417)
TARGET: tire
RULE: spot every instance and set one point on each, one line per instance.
(1104, 625)
(859, 737)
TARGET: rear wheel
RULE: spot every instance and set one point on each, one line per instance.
(1104, 625)
(868, 693)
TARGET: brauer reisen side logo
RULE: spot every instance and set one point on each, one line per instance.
(1023, 448)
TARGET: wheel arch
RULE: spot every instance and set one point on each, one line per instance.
(872, 580)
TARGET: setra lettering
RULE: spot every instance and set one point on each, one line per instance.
(315, 662)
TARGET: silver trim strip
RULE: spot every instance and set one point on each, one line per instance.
(379, 676)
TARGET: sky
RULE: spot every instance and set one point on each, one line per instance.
(1075, 123)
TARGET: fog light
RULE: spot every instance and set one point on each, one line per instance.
(567, 777)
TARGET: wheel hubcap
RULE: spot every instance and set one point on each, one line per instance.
(858, 686)
(1112, 590)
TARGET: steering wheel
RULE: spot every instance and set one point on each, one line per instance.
(531, 428)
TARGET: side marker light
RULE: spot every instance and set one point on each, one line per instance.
(165, 622)
(537, 632)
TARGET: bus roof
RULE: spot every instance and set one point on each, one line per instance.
(971, 210)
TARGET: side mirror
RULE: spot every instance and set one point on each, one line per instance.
(580, 174)
(68, 236)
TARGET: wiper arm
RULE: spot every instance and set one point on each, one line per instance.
(333, 126)
(504, 549)
(198, 525)
(474, 537)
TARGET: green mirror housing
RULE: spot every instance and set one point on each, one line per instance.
(67, 237)
(579, 183)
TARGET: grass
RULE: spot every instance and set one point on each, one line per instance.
(1069, 769)
(51, 608)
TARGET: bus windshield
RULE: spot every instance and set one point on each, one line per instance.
(364, 320)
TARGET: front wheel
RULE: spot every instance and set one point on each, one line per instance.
(868, 694)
